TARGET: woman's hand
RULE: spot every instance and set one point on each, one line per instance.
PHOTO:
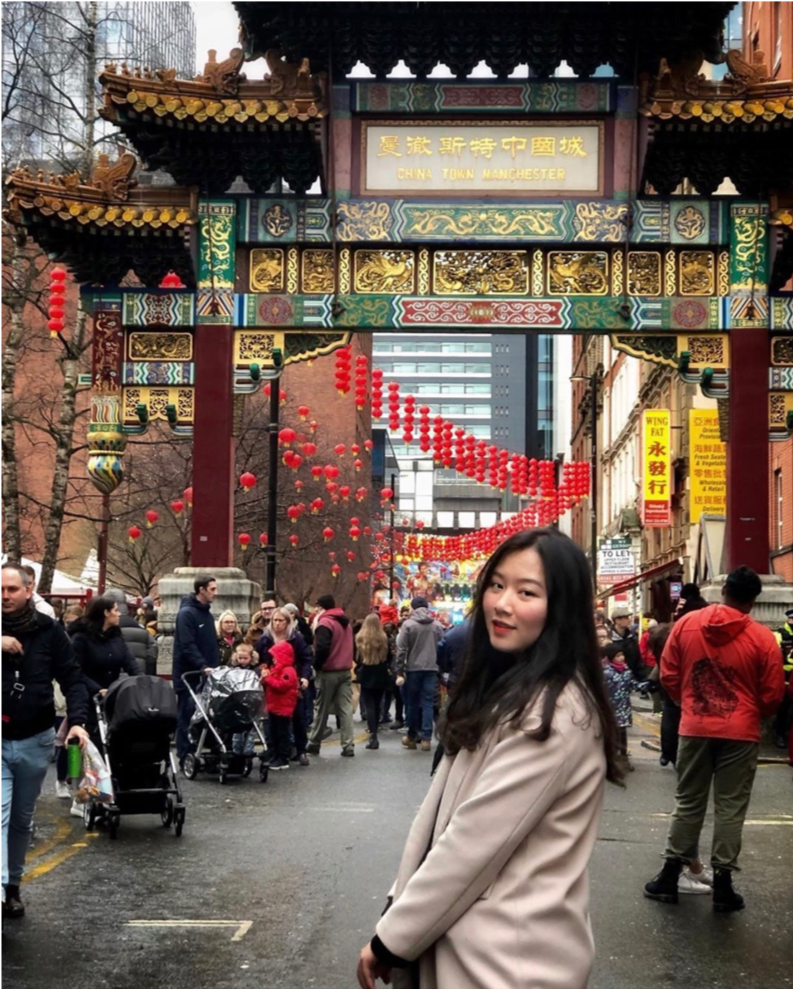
(80, 734)
(370, 969)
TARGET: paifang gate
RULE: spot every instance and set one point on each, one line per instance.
(542, 204)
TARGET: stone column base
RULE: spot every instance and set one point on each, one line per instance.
(235, 593)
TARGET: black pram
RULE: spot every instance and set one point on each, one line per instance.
(230, 703)
(136, 719)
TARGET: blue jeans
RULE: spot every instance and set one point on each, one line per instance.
(24, 768)
(420, 687)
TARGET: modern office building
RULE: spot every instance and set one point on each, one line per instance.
(498, 387)
(46, 70)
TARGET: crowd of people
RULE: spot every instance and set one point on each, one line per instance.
(527, 705)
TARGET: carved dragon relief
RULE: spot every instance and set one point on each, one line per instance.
(224, 76)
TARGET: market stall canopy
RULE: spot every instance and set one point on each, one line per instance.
(629, 37)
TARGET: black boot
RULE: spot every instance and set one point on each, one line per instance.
(373, 743)
(725, 899)
(12, 905)
(664, 886)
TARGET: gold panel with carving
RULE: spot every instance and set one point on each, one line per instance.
(345, 273)
(267, 269)
(578, 273)
(424, 271)
(318, 271)
(480, 272)
(537, 261)
(670, 263)
(644, 273)
(723, 277)
(157, 401)
(708, 350)
(385, 272)
(256, 346)
(291, 271)
(697, 273)
(617, 271)
(159, 346)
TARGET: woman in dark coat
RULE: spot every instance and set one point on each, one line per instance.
(101, 651)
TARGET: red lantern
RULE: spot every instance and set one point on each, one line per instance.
(350, 555)
(316, 506)
(344, 491)
(312, 426)
(134, 533)
(188, 496)
(331, 472)
(244, 540)
(263, 538)
(335, 570)
(339, 449)
(368, 445)
(177, 507)
(358, 464)
(309, 449)
(360, 494)
(328, 533)
(354, 533)
(288, 458)
(386, 494)
(304, 412)
(293, 513)
(316, 472)
(286, 436)
(151, 518)
(248, 481)
(171, 280)
(296, 461)
(362, 576)
(294, 539)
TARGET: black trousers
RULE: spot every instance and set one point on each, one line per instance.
(299, 727)
(670, 726)
(280, 734)
(372, 698)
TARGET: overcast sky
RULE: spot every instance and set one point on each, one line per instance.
(217, 26)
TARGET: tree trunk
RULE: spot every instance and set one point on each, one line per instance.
(90, 89)
(11, 348)
(70, 364)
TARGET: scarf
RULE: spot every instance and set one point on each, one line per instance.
(21, 622)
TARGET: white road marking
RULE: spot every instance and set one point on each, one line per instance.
(243, 926)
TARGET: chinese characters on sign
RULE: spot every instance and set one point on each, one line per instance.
(465, 157)
(657, 469)
(708, 459)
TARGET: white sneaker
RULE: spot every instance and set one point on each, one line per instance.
(687, 883)
(76, 810)
(706, 876)
(62, 790)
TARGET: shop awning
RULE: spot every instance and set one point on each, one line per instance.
(628, 585)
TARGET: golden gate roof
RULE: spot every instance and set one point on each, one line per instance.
(221, 94)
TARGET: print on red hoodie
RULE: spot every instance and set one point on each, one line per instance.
(725, 671)
(281, 685)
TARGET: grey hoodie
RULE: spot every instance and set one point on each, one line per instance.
(417, 643)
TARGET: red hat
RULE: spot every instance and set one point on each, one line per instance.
(283, 653)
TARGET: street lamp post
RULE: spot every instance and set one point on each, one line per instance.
(272, 490)
(592, 380)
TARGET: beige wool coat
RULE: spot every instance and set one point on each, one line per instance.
(501, 900)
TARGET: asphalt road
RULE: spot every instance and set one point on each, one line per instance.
(289, 878)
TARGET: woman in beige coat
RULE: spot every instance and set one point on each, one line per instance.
(492, 891)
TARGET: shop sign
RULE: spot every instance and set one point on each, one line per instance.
(656, 469)
(708, 464)
(615, 561)
(460, 158)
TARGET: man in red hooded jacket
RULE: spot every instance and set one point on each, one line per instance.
(723, 669)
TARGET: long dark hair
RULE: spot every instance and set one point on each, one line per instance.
(486, 694)
(94, 617)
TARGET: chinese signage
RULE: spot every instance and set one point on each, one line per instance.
(473, 157)
(708, 460)
(615, 561)
(657, 469)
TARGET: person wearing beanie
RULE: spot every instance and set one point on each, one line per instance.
(140, 643)
(417, 671)
(333, 658)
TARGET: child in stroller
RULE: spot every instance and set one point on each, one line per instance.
(244, 658)
(230, 704)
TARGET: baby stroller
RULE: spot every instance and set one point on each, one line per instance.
(230, 704)
(136, 719)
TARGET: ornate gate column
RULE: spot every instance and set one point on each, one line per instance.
(213, 437)
(747, 449)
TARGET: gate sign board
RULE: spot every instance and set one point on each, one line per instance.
(708, 460)
(510, 157)
(656, 469)
(615, 561)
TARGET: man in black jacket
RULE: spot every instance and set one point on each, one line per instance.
(36, 651)
(141, 643)
(623, 634)
(195, 647)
